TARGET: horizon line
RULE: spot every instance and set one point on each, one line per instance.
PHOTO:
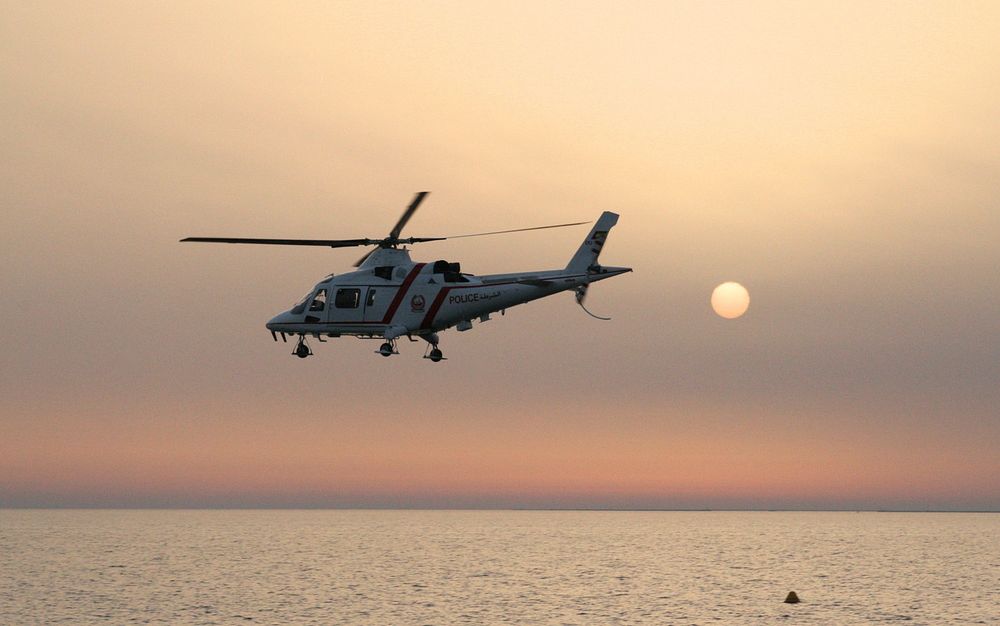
(459, 508)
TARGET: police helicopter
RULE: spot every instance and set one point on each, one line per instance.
(389, 296)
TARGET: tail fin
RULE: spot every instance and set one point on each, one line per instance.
(586, 256)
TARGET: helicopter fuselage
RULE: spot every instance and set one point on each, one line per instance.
(391, 296)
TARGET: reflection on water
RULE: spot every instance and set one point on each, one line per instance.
(498, 567)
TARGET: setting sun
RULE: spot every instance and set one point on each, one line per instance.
(730, 300)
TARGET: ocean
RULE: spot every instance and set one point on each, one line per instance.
(496, 567)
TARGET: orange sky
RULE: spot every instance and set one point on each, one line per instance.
(837, 159)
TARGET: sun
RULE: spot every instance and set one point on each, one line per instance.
(730, 300)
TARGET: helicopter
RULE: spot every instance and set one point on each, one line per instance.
(390, 296)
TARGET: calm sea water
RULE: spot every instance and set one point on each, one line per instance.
(497, 567)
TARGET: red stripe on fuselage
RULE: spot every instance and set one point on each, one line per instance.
(402, 292)
(438, 301)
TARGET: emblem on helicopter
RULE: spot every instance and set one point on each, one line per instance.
(417, 303)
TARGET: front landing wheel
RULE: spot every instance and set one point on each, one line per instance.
(302, 350)
(435, 355)
(385, 349)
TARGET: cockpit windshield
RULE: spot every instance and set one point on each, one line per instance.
(300, 306)
(315, 299)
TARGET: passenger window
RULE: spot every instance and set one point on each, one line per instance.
(319, 301)
(347, 298)
(370, 300)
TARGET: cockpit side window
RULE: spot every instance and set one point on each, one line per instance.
(370, 300)
(319, 301)
(347, 298)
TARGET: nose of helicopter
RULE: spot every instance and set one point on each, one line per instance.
(279, 321)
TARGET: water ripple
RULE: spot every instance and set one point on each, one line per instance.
(497, 567)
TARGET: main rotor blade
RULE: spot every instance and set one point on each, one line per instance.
(514, 230)
(407, 214)
(329, 243)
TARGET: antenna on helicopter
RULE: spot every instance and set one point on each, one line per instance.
(392, 241)
(581, 295)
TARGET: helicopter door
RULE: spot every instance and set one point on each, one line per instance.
(376, 302)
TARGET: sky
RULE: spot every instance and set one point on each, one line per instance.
(838, 159)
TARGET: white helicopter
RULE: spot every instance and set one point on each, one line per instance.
(389, 296)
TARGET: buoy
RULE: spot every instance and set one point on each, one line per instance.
(792, 598)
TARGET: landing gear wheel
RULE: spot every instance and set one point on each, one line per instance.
(432, 351)
(302, 350)
(385, 349)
